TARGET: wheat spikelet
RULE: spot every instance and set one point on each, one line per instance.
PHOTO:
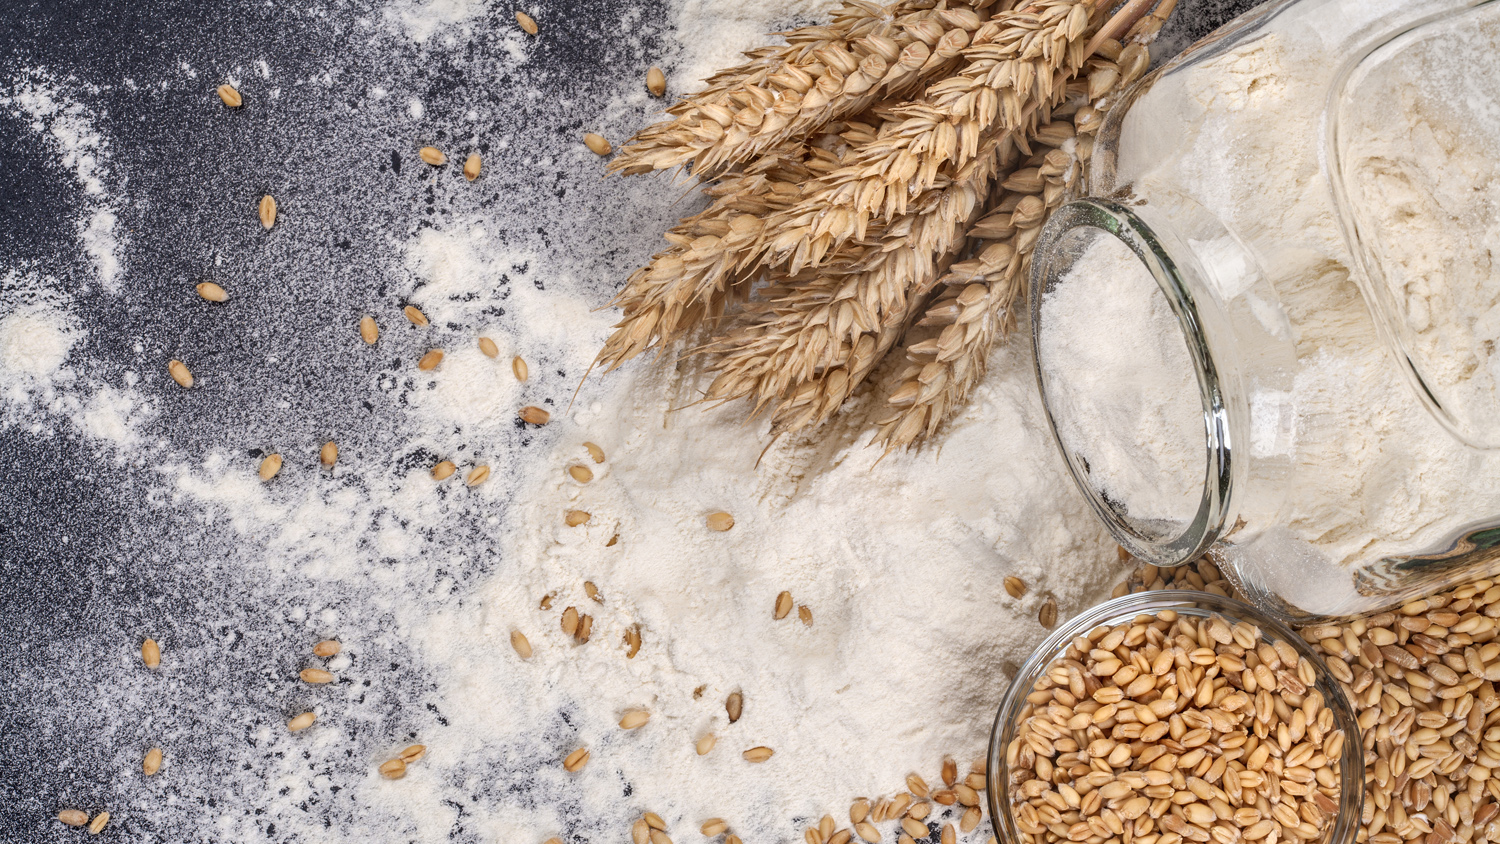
(823, 73)
(976, 307)
(1013, 74)
(713, 251)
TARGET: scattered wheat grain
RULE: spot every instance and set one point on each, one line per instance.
(301, 722)
(267, 211)
(471, 170)
(488, 347)
(719, 521)
(758, 754)
(316, 676)
(526, 23)
(534, 415)
(597, 144)
(152, 763)
(151, 653)
(230, 96)
(444, 470)
(433, 156)
(180, 373)
(269, 466)
(656, 82)
(368, 330)
(212, 292)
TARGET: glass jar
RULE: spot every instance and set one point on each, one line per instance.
(1015, 708)
(1271, 335)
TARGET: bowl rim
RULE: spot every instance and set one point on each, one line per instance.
(1122, 609)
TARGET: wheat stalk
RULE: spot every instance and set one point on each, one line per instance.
(976, 308)
(823, 73)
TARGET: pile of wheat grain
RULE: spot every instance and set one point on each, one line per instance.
(877, 185)
(1422, 682)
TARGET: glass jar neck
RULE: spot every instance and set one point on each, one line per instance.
(1239, 345)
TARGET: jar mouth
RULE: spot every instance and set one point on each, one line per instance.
(1158, 472)
(1199, 604)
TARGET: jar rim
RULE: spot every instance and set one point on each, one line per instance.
(1187, 299)
(1201, 604)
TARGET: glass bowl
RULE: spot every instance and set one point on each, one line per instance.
(1196, 604)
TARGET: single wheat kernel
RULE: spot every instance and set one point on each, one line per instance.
(719, 520)
(640, 832)
(534, 415)
(471, 168)
(478, 475)
(613, 541)
(412, 753)
(758, 754)
(705, 744)
(913, 828)
(519, 369)
(950, 771)
(574, 518)
(430, 360)
(592, 591)
(368, 330)
(230, 96)
(656, 82)
(315, 676)
(859, 810)
(416, 316)
(433, 156)
(585, 628)
(301, 722)
(659, 837)
(392, 769)
(269, 467)
(634, 719)
(546, 602)
(73, 817)
(570, 621)
(948, 835)
(581, 474)
(267, 211)
(916, 785)
(1047, 615)
(713, 827)
(868, 832)
(735, 706)
(488, 347)
(1015, 587)
(783, 606)
(632, 641)
(151, 653)
(654, 821)
(99, 822)
(327, 648)
(575, 761)
(212, 292)
(597, 144)
(152, 763)
(443, 470)
(972, 816)
(826, 826)
(731, 838)
(595, 452)
(526, 23)
(521, 644)
(805, 614)
(329, 454)
(180, 373)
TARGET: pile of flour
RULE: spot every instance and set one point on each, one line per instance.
(1375, 473)
(1122, 387)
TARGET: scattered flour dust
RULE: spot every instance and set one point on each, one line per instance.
(49, 108)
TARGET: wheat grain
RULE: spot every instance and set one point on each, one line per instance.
(328, 455)
(433, 156)
(471, 170)
(526, 22)
(152, 762)
(634, 719)
(597, 144)
(444, 470)
(392, 769)
(705, 744)
(534, 415)
(73, 817)
(488, 348)
(656, 82)
(180, 373)
(211, 292)
(521, 645)
(301, 722)
(519, 369)
(230, 96)
(315, 676)
(783, 606)
(415, 316)
(269, 466)
(368, 330)
(758, 754)
(267, 211)
(574, 762)
(574, 518)
(719, 521)
(150, 653)
(734, 705)
(99, 822)
(430, 360)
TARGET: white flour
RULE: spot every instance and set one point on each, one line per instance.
(899, 560)
(1123, 390)
(67, 127)
(1375, 472)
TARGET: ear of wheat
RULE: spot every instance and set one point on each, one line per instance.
(901, 213)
